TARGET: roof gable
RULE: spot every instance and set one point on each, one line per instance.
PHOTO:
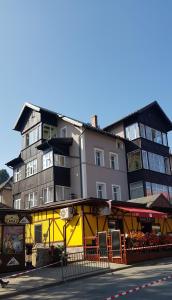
(154, 106)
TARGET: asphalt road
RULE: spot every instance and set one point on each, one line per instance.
(103, 286)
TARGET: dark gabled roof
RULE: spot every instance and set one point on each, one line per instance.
(28, 107)
(2, 185)
(14, 162)
(154, 104)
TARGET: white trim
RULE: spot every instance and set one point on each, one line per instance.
(103, 160)
(83, 166)
(118, 186)
(117, 161)
(104, 185)
(70, 120)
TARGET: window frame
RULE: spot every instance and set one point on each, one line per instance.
(64, 128)
(28, 168)
(44, 160)
(48, 194)
(102, 161)
(116, 161)
(116, 186)
(17, 175)
(104, 193)
(18, 200)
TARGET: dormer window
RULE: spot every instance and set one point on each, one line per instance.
(49, 132)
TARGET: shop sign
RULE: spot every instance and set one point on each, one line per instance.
(13, 262)
(11, 219)
(24, 220)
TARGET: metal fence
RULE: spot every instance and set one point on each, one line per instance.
(75, 265)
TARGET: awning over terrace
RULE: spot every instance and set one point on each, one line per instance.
(140, 212)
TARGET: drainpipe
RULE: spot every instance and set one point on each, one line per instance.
(80, 162)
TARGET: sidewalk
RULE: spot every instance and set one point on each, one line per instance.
(37, 279)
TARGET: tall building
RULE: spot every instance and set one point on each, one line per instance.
(147, 150)
(62, 158)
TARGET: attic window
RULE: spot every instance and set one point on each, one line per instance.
(49, 132)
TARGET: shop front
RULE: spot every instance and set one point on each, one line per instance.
(12, 239)
(121, 232)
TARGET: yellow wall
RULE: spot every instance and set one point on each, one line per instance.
(53, 228)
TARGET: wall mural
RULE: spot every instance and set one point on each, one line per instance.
(13, 239)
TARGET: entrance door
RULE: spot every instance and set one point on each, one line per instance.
(116, 243)
(102, 242)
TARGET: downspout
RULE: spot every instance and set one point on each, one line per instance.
(80, 162)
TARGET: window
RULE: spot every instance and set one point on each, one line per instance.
(148, 133)
(148, 189)
(167, 165)
(134, 160)
(47, 160)
(33, 136)
(17, 203)
(61, 161)
(164, 138)
(154, 135)
(142, 130)
(62, 193)
(49, 132)
(17, 174)
(132, 132)
(31, 168)
(145, 159)
(31, 200)
(114, 161)
(99, 157)
(63, 132)
(38, 233)
(48, 194)
(116, 192)
(136, 190)
(156, 162)
(101, 190)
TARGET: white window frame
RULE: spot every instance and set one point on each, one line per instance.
(17, 174)
(63, 192)
(102, 161)
(51, 129)
(17, 203)
(62, 130)
(31, 168)
(116, 161)
(119, 187)
(32, 197)
(98, 183)
(47, 160)
(48, 194)
(57, 161)
(32, 136)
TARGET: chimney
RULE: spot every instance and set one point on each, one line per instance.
(94, 121)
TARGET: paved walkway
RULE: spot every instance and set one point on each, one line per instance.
(37, 279)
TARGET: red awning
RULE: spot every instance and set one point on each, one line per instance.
(140, 212)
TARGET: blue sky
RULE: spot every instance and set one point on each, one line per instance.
(79, 58)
